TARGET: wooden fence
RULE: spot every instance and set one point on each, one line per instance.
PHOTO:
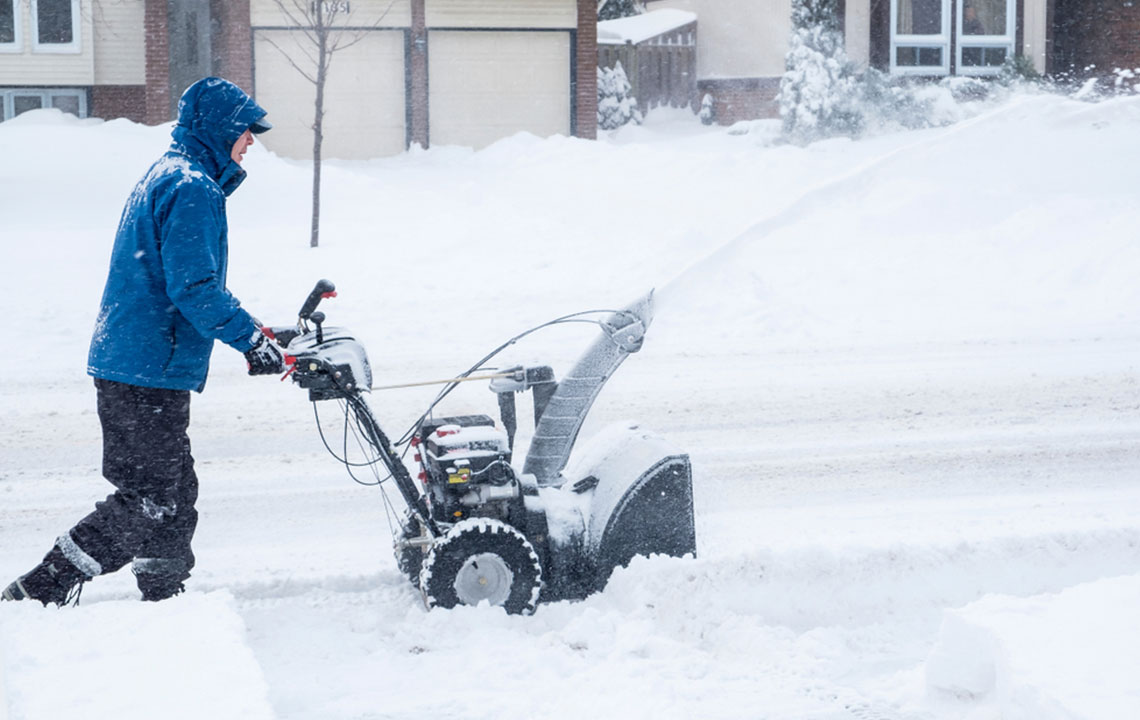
(662, 69)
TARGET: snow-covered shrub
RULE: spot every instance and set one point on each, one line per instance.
(818, 92)
(1019, 70)
(1127, 80)
(889, 103)
(612, 9)
(616, 104)
(708, 112)
(822, 93)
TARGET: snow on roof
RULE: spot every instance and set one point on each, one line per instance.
(639, 28)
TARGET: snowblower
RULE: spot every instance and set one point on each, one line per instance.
(479, 529)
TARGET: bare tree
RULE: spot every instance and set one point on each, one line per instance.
(317, 21)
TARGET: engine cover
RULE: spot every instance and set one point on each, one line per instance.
(466, 466)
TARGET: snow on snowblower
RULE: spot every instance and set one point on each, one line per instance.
(480, 529)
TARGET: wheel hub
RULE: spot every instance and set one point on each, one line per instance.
(484, 577)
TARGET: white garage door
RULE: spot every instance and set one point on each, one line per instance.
(364, 95)
(486, 85)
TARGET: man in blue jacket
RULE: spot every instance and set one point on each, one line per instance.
(164, 305)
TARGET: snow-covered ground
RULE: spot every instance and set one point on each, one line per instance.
(907, 370)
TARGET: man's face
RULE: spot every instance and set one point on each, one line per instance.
(240, 146)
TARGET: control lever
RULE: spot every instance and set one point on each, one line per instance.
(318, 319)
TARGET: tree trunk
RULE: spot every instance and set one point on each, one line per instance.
(318, 135)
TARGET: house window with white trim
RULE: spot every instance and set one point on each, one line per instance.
(985, 35)
(920, 36)
(922, 42)
(55, 26)
(10, 40)
(15, 101)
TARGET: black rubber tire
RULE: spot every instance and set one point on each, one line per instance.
(474, 538)
(410, 558)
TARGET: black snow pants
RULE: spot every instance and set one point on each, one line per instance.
(150, 518)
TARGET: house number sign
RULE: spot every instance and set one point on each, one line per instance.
(331, 8)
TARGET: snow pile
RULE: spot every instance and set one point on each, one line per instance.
(1036, 254)
(1069, 656)
(186, 658)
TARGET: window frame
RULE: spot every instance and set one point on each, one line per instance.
(47, 96)
(940, 41)
(1007, 40)
(17, 44)
(72, 48)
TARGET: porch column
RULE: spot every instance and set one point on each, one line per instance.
(156, 23)
(586, 71)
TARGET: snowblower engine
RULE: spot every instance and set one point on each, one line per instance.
(479, 528)
(466, 467)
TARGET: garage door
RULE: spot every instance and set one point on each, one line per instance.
(486, 85)
(364, 96)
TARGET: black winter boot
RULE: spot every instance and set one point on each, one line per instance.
(160, 578)
(49, 582)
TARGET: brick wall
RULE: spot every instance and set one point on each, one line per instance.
(157, 63)
(230, 42)
(1104, 33)
(741, 98)
(586, 71)
(119, 101)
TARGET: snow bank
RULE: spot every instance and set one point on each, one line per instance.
(1069, 656)
(995, 242)
(184, 658)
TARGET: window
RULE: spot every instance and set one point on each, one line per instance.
(985, 35)
(10, 40)
(15, 101)
(921, 38)
(55, 26)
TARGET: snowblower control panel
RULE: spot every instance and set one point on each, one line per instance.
(329, 363)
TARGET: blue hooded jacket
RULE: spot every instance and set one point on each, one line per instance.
(166, 300)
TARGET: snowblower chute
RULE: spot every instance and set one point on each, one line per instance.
(483, 531)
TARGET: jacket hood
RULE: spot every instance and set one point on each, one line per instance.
(212, 115)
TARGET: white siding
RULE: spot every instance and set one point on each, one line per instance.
(501, 13)
(739, 38)
(484, 86)
(39, 68)
(364, 96)
(362, 13)
(120, 42)
(1035, 30)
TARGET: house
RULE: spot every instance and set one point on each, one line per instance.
(408, 71)
(117, 58)
(743, 42)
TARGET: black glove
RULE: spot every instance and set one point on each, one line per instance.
(264, 358)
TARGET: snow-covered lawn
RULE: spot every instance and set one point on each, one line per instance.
(907, 370)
